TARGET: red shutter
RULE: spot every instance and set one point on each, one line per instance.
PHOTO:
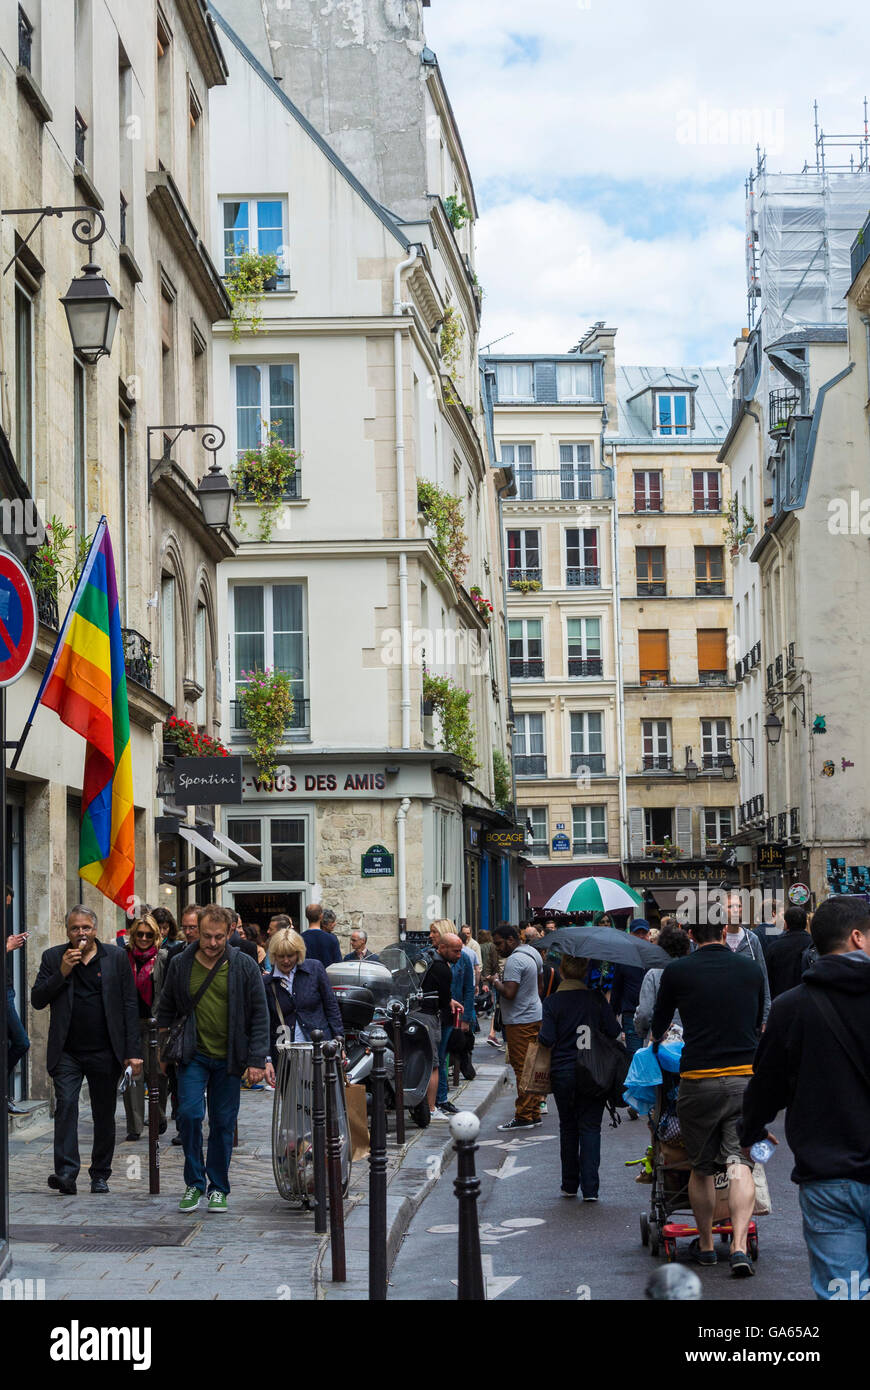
(590, 547)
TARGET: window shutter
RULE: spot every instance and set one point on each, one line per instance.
(635, 832)
(698, 491)
(653, 648)
(655, 490)
(683, 816)
(590, 547)
(639, 492)
(712, 649)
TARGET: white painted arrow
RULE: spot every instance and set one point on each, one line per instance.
(508, 1169)
(494, 1284)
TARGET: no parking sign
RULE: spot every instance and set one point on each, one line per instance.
(17, 619)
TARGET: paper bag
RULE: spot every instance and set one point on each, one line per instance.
(535, 1080)
(357, 1119)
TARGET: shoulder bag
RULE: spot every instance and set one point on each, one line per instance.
(172, 1050)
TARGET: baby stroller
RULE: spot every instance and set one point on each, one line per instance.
(669, 1191)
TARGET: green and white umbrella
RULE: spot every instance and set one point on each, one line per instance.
(594, 895)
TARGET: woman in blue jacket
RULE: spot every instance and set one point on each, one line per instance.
(298, 993)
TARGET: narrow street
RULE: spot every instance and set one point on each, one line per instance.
(539, 1245)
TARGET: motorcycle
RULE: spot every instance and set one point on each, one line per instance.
(366, 992)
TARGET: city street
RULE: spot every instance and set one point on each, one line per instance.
(539, 1245)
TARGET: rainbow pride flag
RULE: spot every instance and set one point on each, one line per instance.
(86, 683)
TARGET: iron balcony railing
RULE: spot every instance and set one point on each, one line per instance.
(299, 719)
(782, 821)
(527, 670)
(654, 677)
(25, 40)
(712, 761)
(789, 658)
(778, 669)
(782, 404)
(567, 484)
(80, 132)
(524, 576)
(46, 601)
(137, 656)
(657, 762)
(291, 493)
(756, 654)
(593, 763)
(530, 764)
(652, 588)
(707, 504)
(598, 847)
(794, 821)
(860, 248)
(580, 666)
(741, 667)
(711, 587)
(122, 227)
(713, 677)
(770, 828)
(583, 577)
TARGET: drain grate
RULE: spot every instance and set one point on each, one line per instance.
(104, 1240)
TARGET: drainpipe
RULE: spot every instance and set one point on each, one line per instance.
(620, 691)
(401, 882)
(400, 306)
(785, 701)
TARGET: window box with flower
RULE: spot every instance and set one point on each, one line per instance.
(263, 477)
(481, 603)
(182, 739)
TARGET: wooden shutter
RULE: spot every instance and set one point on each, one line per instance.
(653, 649)
(635, 832)
(590, 547)
(683, 815)
(698, 491)
(712, 649)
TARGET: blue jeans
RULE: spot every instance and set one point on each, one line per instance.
(443, 1065)
(632, 1039)
(579, 1133)
(836, 1216)
(18, 1041)
(207, 1077)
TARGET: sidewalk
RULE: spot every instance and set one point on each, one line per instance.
(130, 1245)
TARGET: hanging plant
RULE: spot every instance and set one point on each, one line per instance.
(267, 707)
(526, 586)
(482, 604)
(246, 284)
(457, 212)
(452, 707)
(263, 476)
(444, 511)
(190, 742)
(450, 342)
(501, 778)
(58, 561)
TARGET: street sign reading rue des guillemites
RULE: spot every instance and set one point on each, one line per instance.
(377, 862)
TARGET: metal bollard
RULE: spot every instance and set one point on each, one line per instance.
(378, 1173)
(318, 1115)
(333, 1167)
(465, 1128)
(153, 1074)
(399, 1080)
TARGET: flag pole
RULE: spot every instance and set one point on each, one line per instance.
(82, 580)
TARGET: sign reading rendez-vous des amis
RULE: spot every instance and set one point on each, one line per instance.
(339, 782)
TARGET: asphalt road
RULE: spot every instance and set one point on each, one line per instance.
(539, 1245)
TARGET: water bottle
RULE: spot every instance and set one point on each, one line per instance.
(760, 1152)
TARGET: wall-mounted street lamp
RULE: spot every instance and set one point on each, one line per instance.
(773, 728)
(691, 768)
(91, 308)
(215, 491)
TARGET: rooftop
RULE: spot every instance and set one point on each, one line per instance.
(711, 388)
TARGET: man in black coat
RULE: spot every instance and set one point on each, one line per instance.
(784, 952)
(93, 1034)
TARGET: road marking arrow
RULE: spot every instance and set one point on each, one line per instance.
(508, 1169)
(494, 1284)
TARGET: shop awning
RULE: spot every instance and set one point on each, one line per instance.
(205, 847)
(543, 880)
(244, 855)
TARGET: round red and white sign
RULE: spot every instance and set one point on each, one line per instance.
(18, 622)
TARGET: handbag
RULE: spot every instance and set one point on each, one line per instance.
(535, 1080)
(173, 1044)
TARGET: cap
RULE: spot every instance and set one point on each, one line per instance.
(638, 924)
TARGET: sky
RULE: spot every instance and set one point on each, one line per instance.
(609, 143)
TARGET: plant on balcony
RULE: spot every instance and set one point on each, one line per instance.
(501, 778)
(450, 342)
(263, 476)
(457, 212)
(666, 850)
(482, 604)
(190, 742)
(444, 511)
(267, 707)
(246, 284)
(58, 561)
(526, 586)
(452, 706)
(736, 532)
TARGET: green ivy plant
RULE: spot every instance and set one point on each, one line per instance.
(501, 778)
(267, 707)
(246, 285)
(452, 706)
(262, 475)
(457, 212)
(452, 333)
(444, 511)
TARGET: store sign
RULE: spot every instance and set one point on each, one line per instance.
(377, 862)
(208, 781)
(561, 843)
(505, 839)
(799, 895)
(673, 873)
(771, 856)
(342, 782)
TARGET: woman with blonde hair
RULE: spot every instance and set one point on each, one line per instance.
(299, 996)
(148, 963)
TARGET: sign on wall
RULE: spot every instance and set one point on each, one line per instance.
(208, 781)
(561, 842)
(771, 856)
(504, 839)
(377, 862)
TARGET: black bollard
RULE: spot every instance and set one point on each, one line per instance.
(378, 1173)
(318, 1114)
(333, 1166)
(465, 1128)
(399, 1064)
(153, 1078)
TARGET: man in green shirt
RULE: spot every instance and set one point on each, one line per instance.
(226, 1035)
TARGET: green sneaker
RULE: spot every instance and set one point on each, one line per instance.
(191, 1199)
(217, 1201)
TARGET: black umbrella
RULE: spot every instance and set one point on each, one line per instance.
(606, 943)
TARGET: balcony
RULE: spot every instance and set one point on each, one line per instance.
(657, 762)
(652, 588)
(530, 764)
(292, 493)
(524, 577)
(25, 40)
(714, 762)
(569, 484)
(597, 847)
(770, 828)
(707, 506)
(80, 134)
(713, 677)
(297, 728)
(138, 662)
(794, 821)
(580, 667)
(782, 404)
(709, 588)
(741, 668)
(593, 763)
(860, 248)
(756, 654)
(778, 669)
(527, 670)
(790, 666)
(781, 823)
(583, 577)
(46, 601)
(654, 678)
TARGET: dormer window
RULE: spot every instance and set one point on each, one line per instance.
(575, 381)
(515, 381)
(673, 413)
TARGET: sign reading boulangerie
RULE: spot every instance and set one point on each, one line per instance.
(208, 781)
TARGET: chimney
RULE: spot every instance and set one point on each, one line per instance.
(599, 338)
(740, 346)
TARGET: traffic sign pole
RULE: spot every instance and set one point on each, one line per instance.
(5, 1253)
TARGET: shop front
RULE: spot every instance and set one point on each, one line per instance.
(685, 887)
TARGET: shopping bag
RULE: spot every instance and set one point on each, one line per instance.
(357, 1119)
(762, 1194)
(535, 1080)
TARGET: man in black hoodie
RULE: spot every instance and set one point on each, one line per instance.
(814, 1061)
(783, 954)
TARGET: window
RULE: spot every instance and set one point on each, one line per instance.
(24, 383)
(522, 458)
(709, 569)
(584, 647)
(575, 472)
(536, 819)
(587, 742)
(255, 224)
(673, 412)
(80, 483)
(581, 558)
(718, 825)
(122, 501)
(712, 656)
(575, 381)
(526, 649)
(269, 631)
(653, 657)
(279, 842)
(25, 40)
(656, 740)
(200, 366)
(265, 393)
(706, 491)
(199, 661)
(164, 92)
(194, 154)
(715, 741)
(647, 492)
(126, 131)
(658, 825)
(590, 829)
(515, 381)
(167, 637)
(524, 556)
(530, 759)
(167, 347)
(650, 563)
